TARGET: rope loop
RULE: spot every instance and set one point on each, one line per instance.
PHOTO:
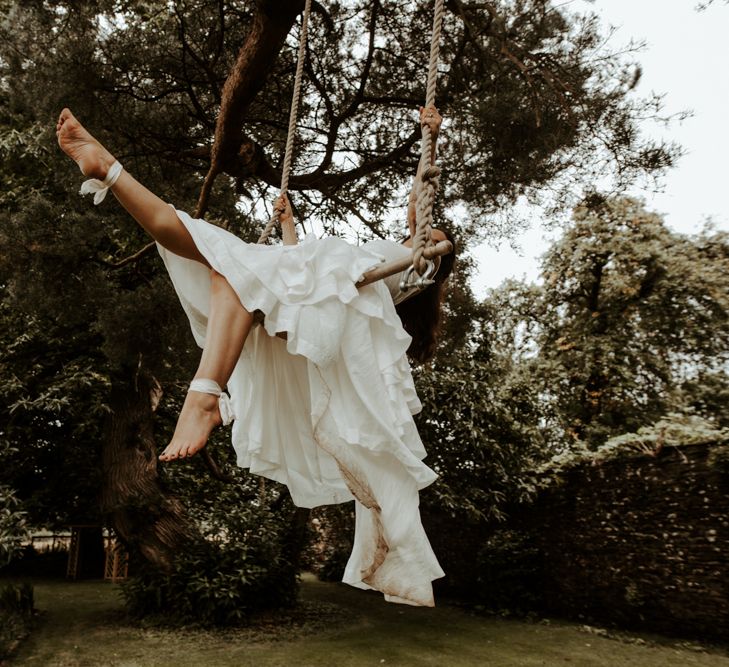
(424, 223)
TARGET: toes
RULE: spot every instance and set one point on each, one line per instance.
(168, 454)
(172, 452)
(183, 451)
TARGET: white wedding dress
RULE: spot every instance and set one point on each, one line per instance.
(328, 412)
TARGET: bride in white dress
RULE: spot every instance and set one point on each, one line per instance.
(322, 394)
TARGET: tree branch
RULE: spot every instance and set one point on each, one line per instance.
(271, 22)
(135, 257)
(326, 183)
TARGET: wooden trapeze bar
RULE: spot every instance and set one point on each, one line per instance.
(391, 268)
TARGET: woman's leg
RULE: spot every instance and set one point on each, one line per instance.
(157, 218)
(228, 326)
(228, 323)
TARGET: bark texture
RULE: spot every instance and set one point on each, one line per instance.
(145, 518)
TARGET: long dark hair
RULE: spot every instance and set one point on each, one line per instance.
(421, 314)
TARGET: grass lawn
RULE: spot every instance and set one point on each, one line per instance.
(83, 624)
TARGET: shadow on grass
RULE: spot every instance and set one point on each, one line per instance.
(84, 624)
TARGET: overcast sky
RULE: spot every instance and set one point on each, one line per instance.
(687, 58)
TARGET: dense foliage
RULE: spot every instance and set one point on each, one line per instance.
(483, 430)
(629, 323)
(246, 558)
(13, 528)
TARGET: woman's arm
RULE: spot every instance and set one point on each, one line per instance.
(286, 219)
(429, 117)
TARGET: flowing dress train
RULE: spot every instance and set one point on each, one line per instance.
(328, 411)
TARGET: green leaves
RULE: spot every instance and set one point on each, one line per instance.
(628, 311)
(13, 528)
(480, 428)
(242, 563)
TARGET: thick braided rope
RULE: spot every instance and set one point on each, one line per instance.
(429, 176)
(293, 115)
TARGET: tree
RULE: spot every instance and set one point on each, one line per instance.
(628, 312)
(707, 394)
(191, 95)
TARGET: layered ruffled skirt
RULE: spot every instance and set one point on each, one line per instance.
(328, 411)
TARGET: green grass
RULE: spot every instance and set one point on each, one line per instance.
(83, 624)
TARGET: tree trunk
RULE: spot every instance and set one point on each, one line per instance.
(145, 518)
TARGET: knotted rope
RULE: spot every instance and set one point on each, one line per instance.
(430, 176)
(293, 114)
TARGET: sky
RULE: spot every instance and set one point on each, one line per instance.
(686, 58)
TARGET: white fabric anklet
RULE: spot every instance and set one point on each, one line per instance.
(100, 188)
(205, 386)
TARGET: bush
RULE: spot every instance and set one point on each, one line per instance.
(331, 541)
(508, 569)
(481, 431)
(672, 430)
(245, 561)
(16, 616)
(33, 562)
(13, 529)
(17, 599)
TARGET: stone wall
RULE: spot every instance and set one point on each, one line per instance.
(641, 542)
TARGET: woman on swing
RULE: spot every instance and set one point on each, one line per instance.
(328, 411)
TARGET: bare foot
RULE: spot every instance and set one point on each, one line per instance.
(200, 415)
(92, 158)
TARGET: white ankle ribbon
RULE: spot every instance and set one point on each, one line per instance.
(100, 188)
(205, 386)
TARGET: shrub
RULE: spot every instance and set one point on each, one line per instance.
(17, 599)
(16, 615)
(245, 561)
(13, 529)
(508, 573)
(331, 541)
(672, 430)
(33, 562)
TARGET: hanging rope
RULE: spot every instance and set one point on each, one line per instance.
(430, 175)
(293, 114)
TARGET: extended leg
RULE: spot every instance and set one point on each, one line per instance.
(228, 322)
(157, 218)
(228, 326)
